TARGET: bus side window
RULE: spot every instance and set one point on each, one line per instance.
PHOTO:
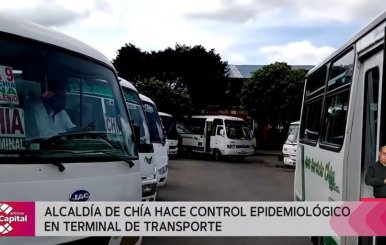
(370, 114)
(335, 116)
(312, 108)
(216, 122)
(311, 120)
(337, 100)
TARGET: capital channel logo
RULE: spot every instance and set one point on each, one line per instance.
(17, 219)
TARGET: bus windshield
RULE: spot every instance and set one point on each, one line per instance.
(292, 135)
(55, 103)
(170, 126)
(155, 126)
(137, 115)
(237, 130)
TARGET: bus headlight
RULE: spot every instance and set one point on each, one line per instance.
(163, 169)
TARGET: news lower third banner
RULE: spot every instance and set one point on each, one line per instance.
(366, 218)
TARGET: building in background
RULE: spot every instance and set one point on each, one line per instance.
(266, 135)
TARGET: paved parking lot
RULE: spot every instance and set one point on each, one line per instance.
(258, 178)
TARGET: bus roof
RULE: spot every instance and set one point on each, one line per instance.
(219, 116)
(126, 84)
(23, 28)
(375, 22)
(164, 114)
(146, 99)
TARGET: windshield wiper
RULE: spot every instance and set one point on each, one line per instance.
(87, 140)
(112, 154)
(63, 136)
(126, 159)
(24, 157)
(43, 156)
(59, 165)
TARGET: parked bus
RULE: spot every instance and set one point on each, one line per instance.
(170, 126)
(290, 144)
(216, 135)
(343, 123)
(157, 138)
(51, 154)
(145, 147)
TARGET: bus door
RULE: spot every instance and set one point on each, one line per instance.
(217, 141)
(370, 74)
(207, 135)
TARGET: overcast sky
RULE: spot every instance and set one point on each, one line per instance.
(254, 32)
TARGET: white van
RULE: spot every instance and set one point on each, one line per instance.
(145, 147)
(51, 154)
(217, 135)
(170, 126)
(158, 139)
(290, 145)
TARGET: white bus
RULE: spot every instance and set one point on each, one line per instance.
(170, 126)
(217, 135)
(290, 144)
(343, 123)
(158, 139)
(145, 147)
(51, 154)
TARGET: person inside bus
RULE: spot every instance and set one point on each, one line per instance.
(376, 174)
(46, 116)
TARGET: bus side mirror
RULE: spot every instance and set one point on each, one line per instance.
(222, 133)
(137, 134)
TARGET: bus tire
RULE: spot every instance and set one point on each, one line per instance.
(240, 159)
(217, 155)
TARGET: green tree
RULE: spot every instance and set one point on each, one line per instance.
(131, 63)
(273, 95)
(166, 99)
(192, 71)
(203, 73)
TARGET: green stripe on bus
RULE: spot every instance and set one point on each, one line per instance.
(327, 240)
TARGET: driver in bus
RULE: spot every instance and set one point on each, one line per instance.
(47, 116)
